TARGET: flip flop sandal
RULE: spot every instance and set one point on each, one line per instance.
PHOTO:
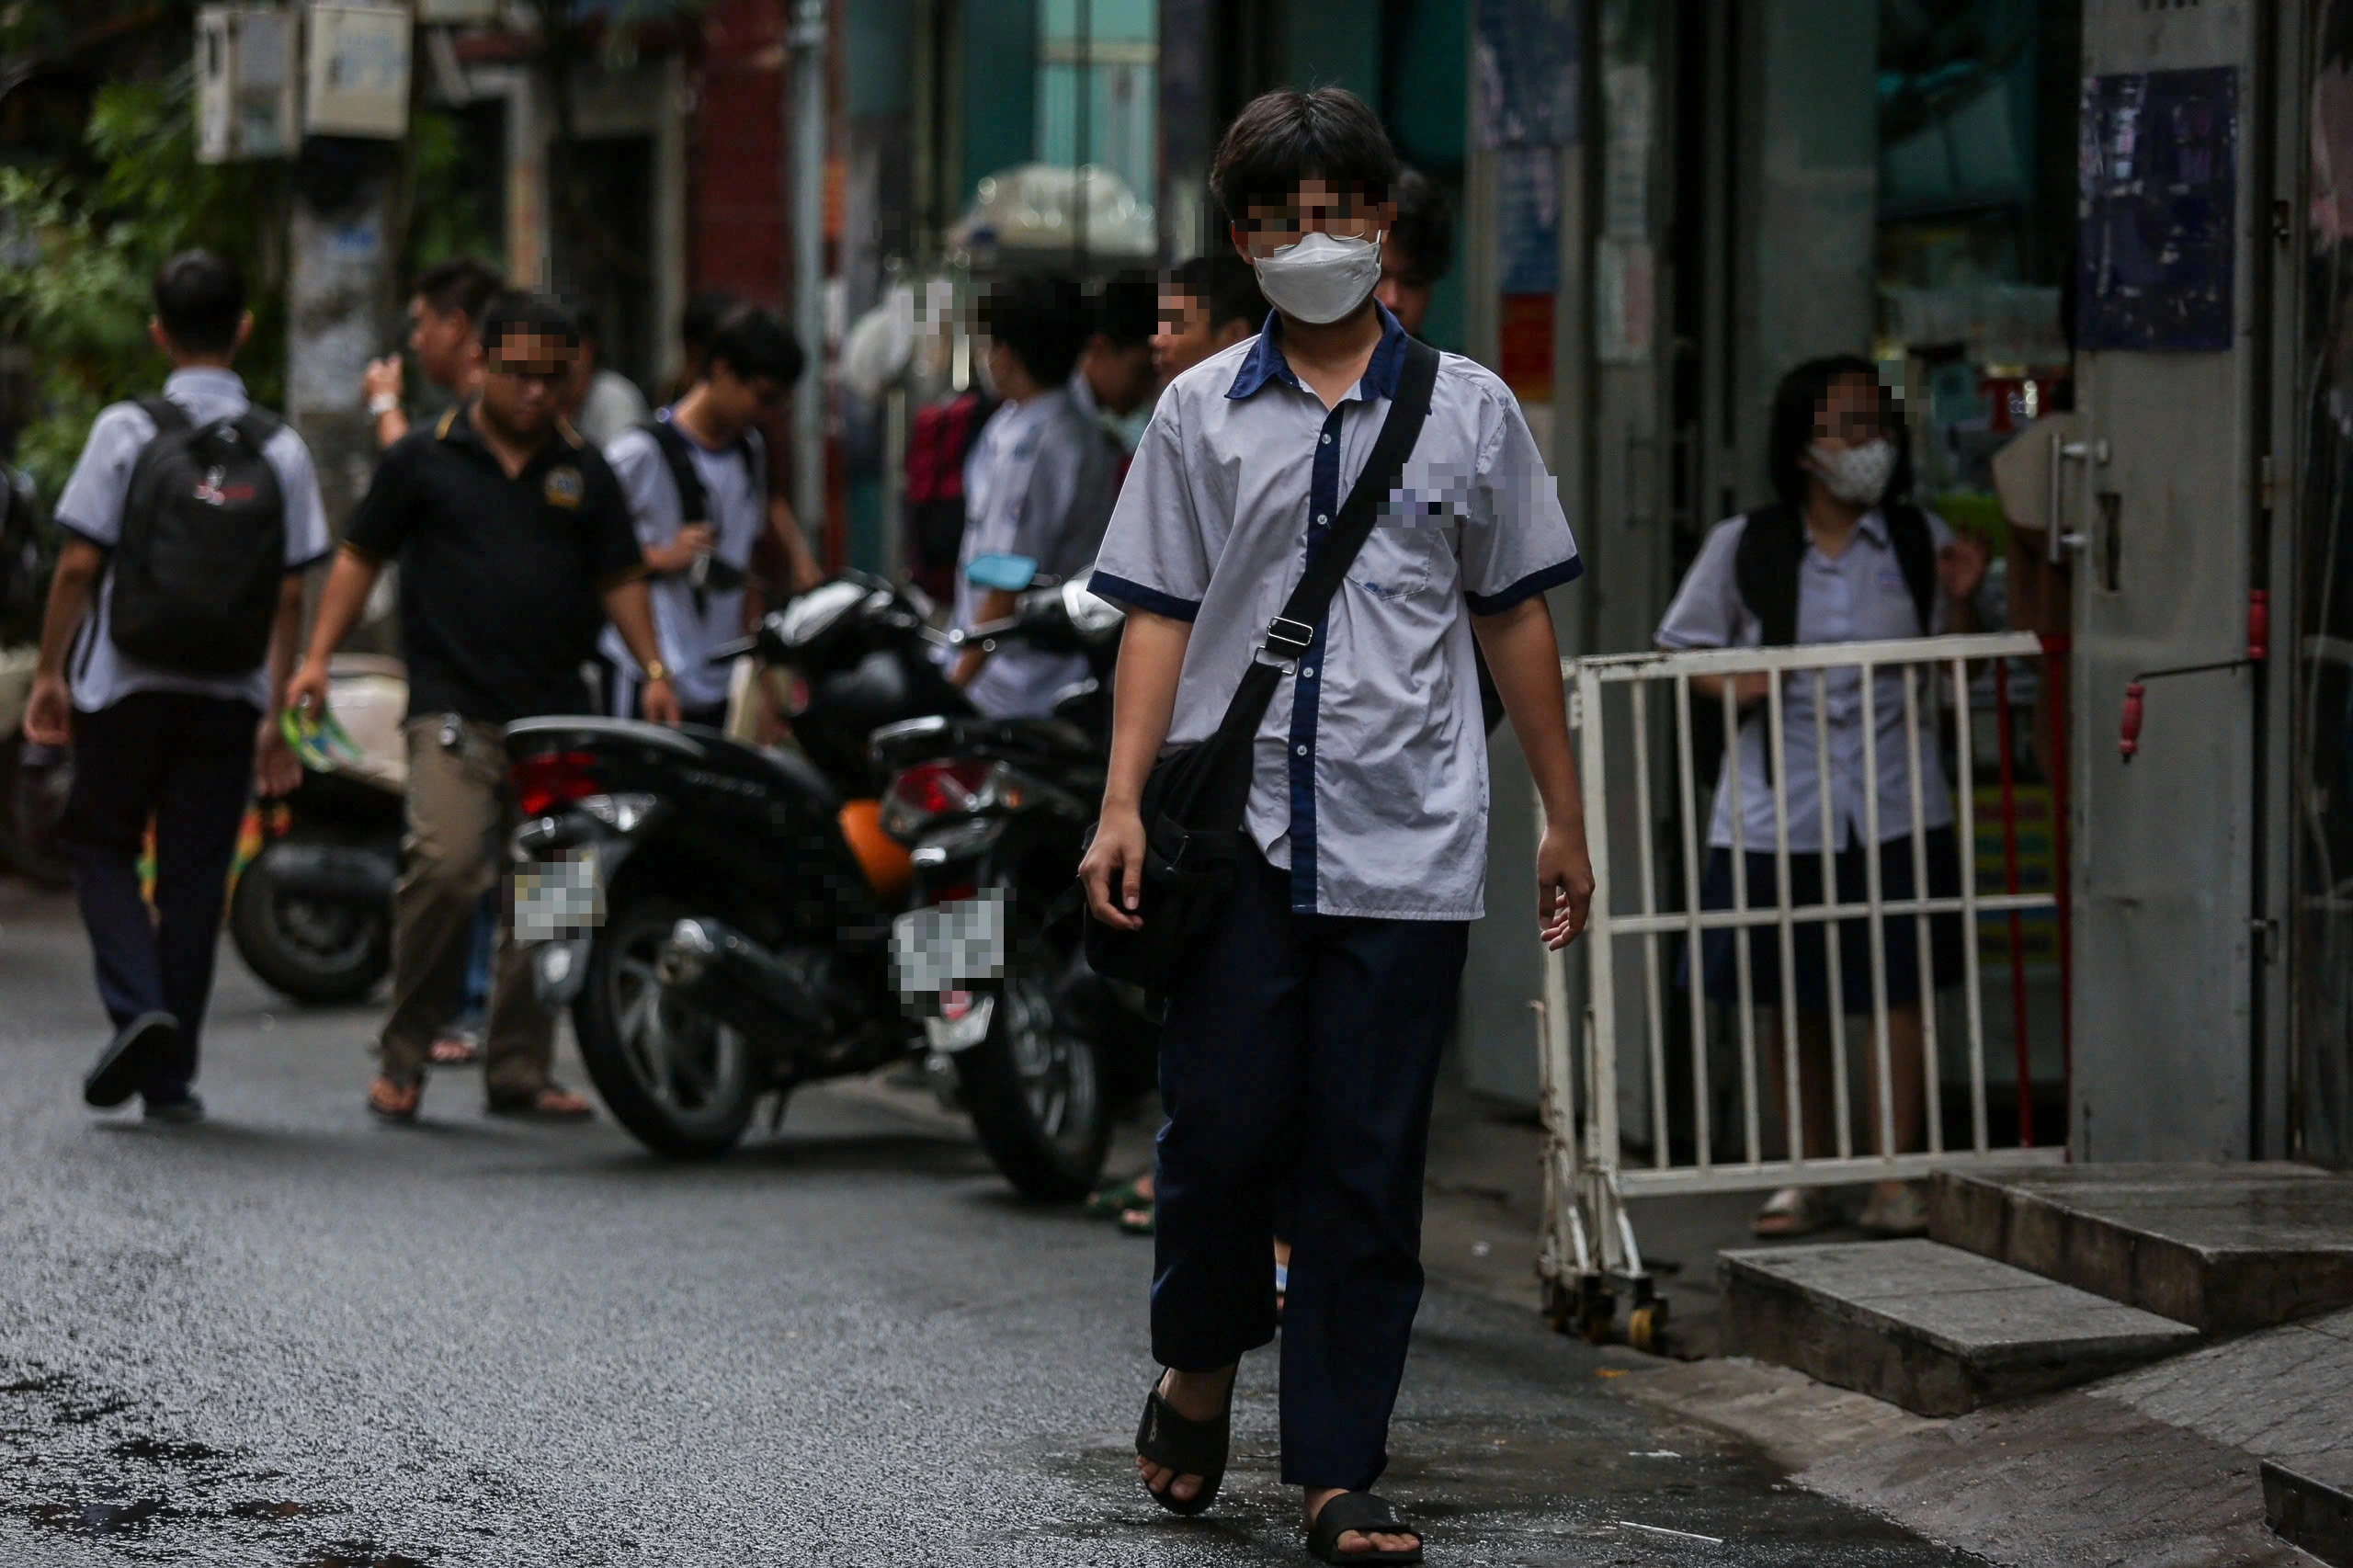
(1366, 1514)
(454, 1050)
(1904, 1214)
(390, 1100)
(1793, 1211)
(1138, 1221)
(1186, 1446)
(1111, 1202)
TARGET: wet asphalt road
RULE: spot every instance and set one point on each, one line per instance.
(291, 1337)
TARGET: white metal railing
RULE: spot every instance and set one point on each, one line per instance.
(1589, 1250)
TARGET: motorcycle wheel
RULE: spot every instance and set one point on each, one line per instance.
(319, 951)
(682, 1082)
(1036, 1090)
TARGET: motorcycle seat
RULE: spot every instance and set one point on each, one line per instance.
(801, 776)
(1053, 738)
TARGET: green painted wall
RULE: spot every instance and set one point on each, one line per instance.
(1332, 43)
(878, 74)
(1000, 88)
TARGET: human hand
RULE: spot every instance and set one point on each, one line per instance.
(1564, 883)
(1112, 872)
(382, 378)
(276, 770)
(660, 702)
(49, 713)
(1961, 567)
(307, 692)
(696, 538)
(1752, 687)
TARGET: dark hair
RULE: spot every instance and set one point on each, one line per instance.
(1042, 318)
(753, 342)
(1423, 236)
(1797, 404)
(1283, 138)
(1226, 284)
(200, 300)
(460, 286)
(704, 315)
(515, 311)
(1129, 308)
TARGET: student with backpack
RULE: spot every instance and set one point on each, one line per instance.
(1318, 525)
(174, 618)
(1840, 555)
(696, 481)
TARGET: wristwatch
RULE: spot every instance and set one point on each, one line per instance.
(383, 403)
(656, 670)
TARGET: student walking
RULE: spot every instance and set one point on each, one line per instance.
(1304, 1027)
(514, 545)
(173, 621)
(443, 333)
(696, 479)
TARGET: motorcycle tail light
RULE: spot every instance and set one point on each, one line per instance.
(553, 779)
(934, 788)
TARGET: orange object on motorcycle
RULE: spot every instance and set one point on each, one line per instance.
(889, 870)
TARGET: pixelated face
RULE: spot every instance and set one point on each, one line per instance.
(739, 400)
(1346, 211)
(524, 381)
(1853, 412)
(1407, 300)
(445, 343)
(1183, 340)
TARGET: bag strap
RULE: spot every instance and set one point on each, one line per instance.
(1291, 633)
(694, 504)
(170, 418)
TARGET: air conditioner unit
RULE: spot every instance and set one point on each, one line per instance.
(246, 80)
(356, 68)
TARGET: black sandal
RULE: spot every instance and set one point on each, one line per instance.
(1183, 1446)
(1367, 1515)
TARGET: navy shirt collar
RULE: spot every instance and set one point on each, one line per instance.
(1264, 361)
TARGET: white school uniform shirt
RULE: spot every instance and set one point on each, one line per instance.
(91, 508)
(1039, 481)
(1860, 596)
(1371, 764)
(687, 629)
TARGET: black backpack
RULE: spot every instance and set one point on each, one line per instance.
(711, 576)
(202, 554)
(1772, 547)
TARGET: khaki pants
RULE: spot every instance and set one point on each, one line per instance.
(457, 817)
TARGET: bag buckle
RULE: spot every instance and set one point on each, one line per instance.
(1290, 639)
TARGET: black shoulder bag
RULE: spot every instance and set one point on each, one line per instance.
(1196, 797)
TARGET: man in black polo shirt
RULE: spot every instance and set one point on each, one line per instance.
(513, 544)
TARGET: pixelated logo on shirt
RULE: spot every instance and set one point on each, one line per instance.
(1443, 495)
(564, 487)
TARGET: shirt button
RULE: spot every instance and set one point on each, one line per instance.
(1327, 440)
(1307, 674)
(1323, 516)
(1302, 751)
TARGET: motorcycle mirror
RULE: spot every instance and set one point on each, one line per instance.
(817, 612)
(1007, 574)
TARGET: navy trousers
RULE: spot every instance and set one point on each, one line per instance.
(1301, 1054)
(186, 763)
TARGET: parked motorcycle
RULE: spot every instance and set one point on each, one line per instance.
(728, 923)
(312, 911)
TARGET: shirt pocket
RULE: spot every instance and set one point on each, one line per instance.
(1410, 553)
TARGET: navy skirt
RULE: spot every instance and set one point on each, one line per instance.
(1722, 953)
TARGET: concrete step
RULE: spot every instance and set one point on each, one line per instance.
(2225, 1248)
(2310, 1511)
(1932, 1328)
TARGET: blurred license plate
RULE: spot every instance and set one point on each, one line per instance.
(950, 945)
(559, 898)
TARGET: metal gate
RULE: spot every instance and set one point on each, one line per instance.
(1589, 1254)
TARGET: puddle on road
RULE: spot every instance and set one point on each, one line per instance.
(84, 1460)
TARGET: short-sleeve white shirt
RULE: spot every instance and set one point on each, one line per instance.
(91, 508)
(688, 622)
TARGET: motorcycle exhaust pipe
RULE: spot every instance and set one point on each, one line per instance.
(715, 969)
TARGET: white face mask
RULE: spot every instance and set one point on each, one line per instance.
(1856, 475)
(1321, 279)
